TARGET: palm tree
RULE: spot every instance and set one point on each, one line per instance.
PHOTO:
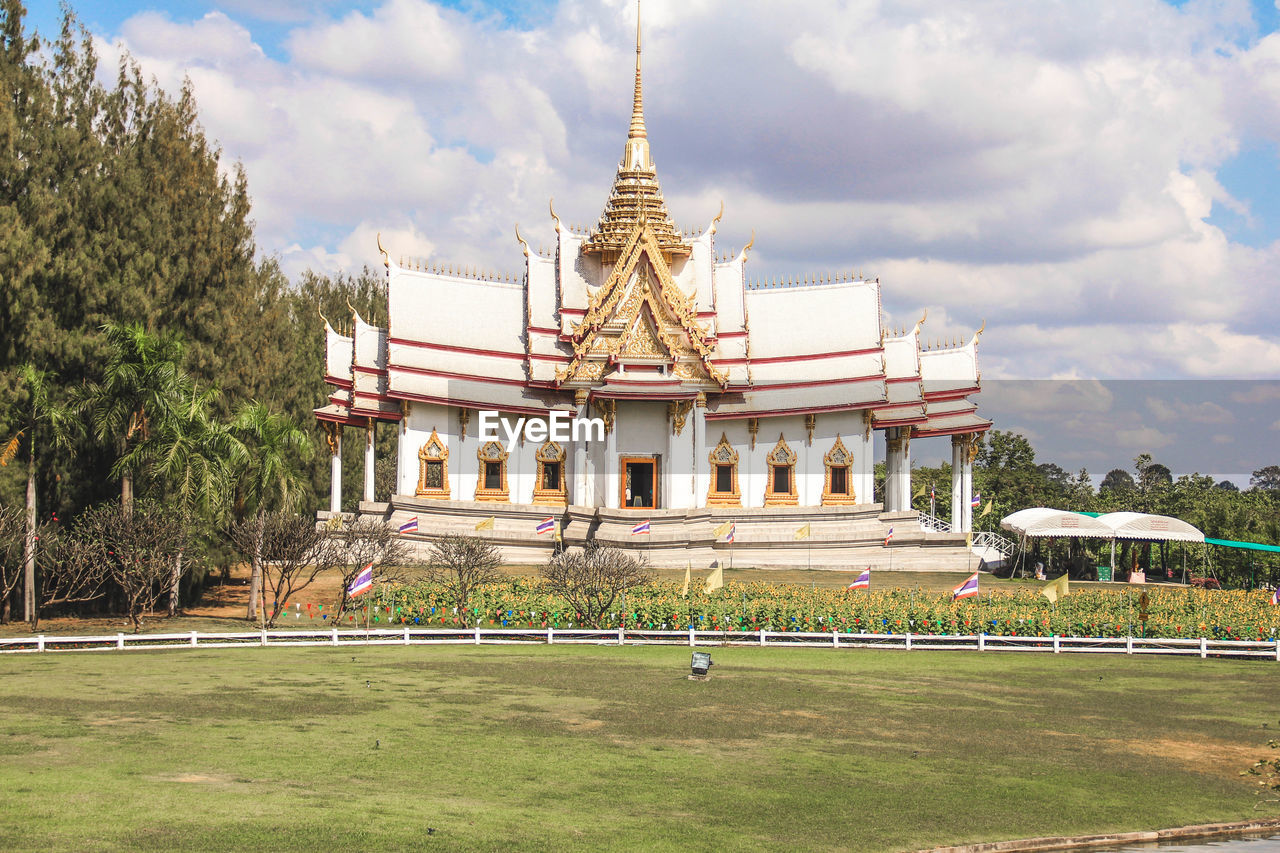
(46, 423)
(267, 452)
(141, 377)
(190, 452)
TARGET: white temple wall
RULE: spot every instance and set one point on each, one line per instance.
(423, 418)
(864, 465)
(641, 430)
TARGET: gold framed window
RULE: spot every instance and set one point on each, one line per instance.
(551, 487)
(780, 488)
(838, 487)
(491, 482)
(724, 475)
(433, 468)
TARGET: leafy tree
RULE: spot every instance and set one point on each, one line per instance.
(48, 425)
(1228, 486)
(1117, 481)
(1266, 478)
(267, 456)
(462, 563)
(141, 380)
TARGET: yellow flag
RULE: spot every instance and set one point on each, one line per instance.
(487, 524)
(1056, 589)
(722, 529)
(557, 533)
(919, 493)
(715, 580)
(968, 540)
(334, 522)
(986, 510)
(802, 533)
(688, 576)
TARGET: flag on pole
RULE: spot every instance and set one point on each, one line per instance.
(688, 576)
(546, 525)
(715, 580)
(642, 527)
(968, 589)
(410, 526)
(733, 530)
(802, 533)
(363, 582)
(919, 492)
(487, 524)
(986, 510)
(932, 494)
(976, 500)
(863, 581)
(1056, 589)
(888, 536)
(722, 529)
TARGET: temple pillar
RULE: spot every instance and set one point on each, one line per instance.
(700, 462)
(581, 480)
(966, 505)
(892, 469)
(959, 462)
(368, 461)
(904, 474)
(608, 410)
(333, 436)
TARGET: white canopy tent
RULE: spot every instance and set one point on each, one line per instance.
(1044, 522)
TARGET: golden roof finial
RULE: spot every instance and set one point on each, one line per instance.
(637, 104)
(552, 205)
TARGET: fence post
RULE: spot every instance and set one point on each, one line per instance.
(194, 640)
(335, 636)
(1128, 645)
(40, 643)
(1204, 647)
(477, 633)
(1278, 648)
(264, 637)
(762, 636)
(1057, 646)
(622, 637)
(551, 637)
(406, 636)
(908, 641)
(835, 639)
(690, 636)
(982, 642)
(119, 641)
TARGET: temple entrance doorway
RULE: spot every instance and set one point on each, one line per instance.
(639, 482)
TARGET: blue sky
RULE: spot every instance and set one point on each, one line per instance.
(1098, 181)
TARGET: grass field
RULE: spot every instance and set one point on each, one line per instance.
(597, 747)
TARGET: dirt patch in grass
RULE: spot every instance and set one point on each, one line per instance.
(1217, 757)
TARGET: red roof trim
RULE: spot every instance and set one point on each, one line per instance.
(450, 348)
(777, 413)
(782, 359)
(471, 404)
(934, 433)
(422, 371)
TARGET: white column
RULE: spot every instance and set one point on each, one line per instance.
(959, 461)
(904, 477)
(368, 461)
(581, 479)
(335, 469)
(968, 486)
(892, 469)
(700, 462)
(612, 481)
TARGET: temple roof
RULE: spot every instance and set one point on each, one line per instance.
(636, 197)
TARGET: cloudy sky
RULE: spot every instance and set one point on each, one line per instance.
(1096, 179)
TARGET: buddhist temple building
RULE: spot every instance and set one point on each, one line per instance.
(717, 400)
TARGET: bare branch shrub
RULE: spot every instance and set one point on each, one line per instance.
(462, 563)
(369, 542)
(12, 536)
(592, 577)
(141, 547)
(74, 568)
(293, 553)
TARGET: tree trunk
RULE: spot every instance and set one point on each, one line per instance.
(175, 584)
(29, 540)
(255, 580)
(126, 493)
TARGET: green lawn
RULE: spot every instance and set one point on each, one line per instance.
(605, 748)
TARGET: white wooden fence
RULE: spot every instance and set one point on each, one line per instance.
(1203, 647)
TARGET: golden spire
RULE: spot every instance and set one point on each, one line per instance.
(636, 198)
(637, 102)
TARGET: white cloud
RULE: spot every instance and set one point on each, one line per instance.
(1176, 411)
(1049, 169)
